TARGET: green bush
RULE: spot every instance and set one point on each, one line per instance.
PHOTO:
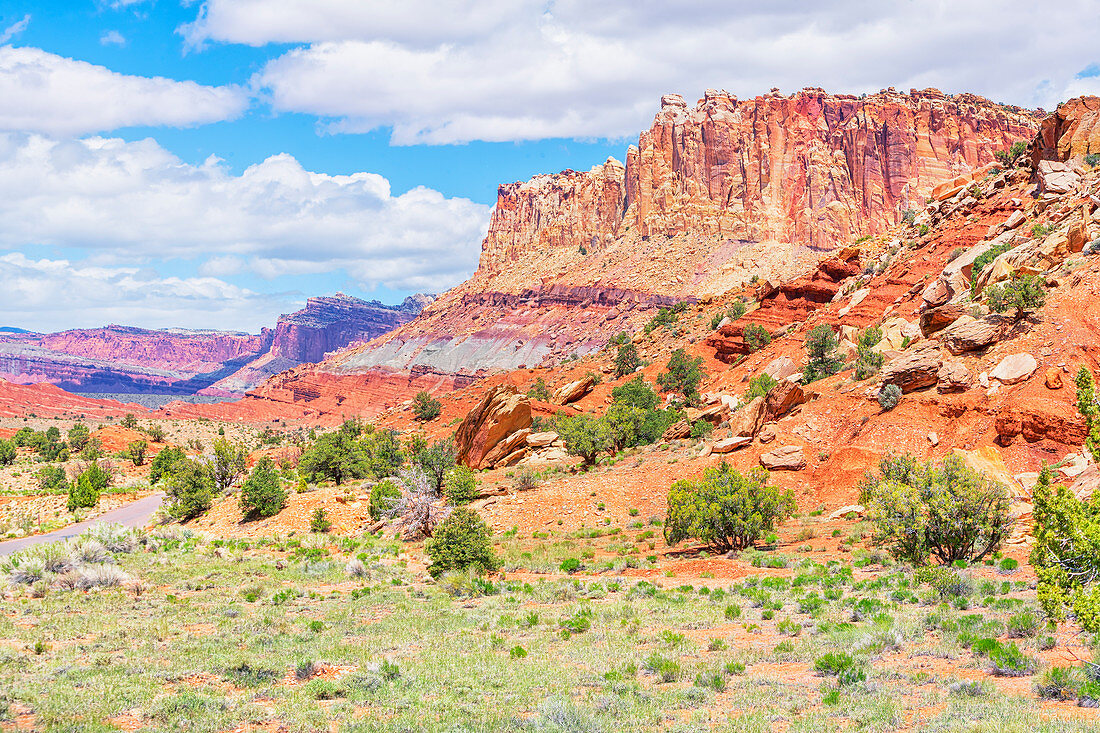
(262, 493)
(633, 418)
(51, 479)
(889, 396)
(78, 436)
(682, 375)
(984, 259)
(436, 461)
(538, 390)
(868, 362)
(162, 463)
(338, 456)
(626, 360)
(230, 461)
(319, 521)
(382, 498)
(700, 429)
(426, 407)
(950, 511)
(84, 492)
(759, 386)
(725, 509)
(461, 541)
(822, 359)
(7, 452)
(1023, 294)
(190, 489)
(136, 451)
(666, 316)
(460, 486)
(756, 336)
(1009, 661)
(585, 436)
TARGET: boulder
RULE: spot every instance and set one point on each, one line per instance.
(749, 419)
(541, 440)
(573, 391)
(677, 430)
(728, 445)
(1057, 177)
(500, 413)
(940, 317)
(781, 368)
(844, 511)
(1086, 483)
(952, 377)
(970, 334)
(987, 460)
(546, 456)
(1014, 368)
(784, 458)
(782, 398)
(916, 368)
(1054, 378)
(894, 332)
(504, 450)
(767, 433)
(1015, 219)
(857, 298)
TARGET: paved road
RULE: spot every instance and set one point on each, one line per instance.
(134, 514)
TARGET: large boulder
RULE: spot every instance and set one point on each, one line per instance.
(728, 445)
(500, 413)
(1014, 368)
(916, 368)
(970, 334)
(782, 398)
(541, 440)
(677, 430)
(750, 418)
(935, 319)
(1057, 177)
(781, 368)
(573, 391)
(784, 458)
(952, 377)
(895, 332)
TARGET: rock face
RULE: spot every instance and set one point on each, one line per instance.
(1073, 129)
(502, 412)
(573, 391)
(814, 168)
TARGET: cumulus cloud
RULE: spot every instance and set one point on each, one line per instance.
(137, 200)
(52, 294)
(44, 92)
(496, 70)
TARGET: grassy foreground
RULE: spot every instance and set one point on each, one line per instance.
(333, 633)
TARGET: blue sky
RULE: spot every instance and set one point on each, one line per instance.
(212, 164)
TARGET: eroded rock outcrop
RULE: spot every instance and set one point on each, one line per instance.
(501, 413)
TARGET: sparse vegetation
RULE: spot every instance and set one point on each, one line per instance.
(822, 359)
(756, 336)
(426, 407)
(460, 542)
(682, 375)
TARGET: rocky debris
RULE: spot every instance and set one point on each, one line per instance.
(896, 332)
(784, 458)
(933, 438)
(970, 334)
(500, 413)
(1038, 418)
(844, 511)
(750, 418)
(541, 440)
(728, 445)
(952, 377)
(915, 368)
(782, 398)
(1034, 256)
(1053, 378)
(780, 368)
(546, 457)
(1057, 177)
(1014, 368)
(767, 433)
(573, 391)
(857, 297)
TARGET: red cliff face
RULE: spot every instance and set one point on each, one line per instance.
(1073, 130)
(811, 168)
(330, 323)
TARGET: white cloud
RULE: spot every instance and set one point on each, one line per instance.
(112, 38)
(44, 92)
(494, 70)
(15, 29)
(49, 294)
(137, 200)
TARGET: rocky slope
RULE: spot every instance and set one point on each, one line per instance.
(711, 198)
(123, 359)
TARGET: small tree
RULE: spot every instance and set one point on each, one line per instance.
(92, 450)
(759, 386)
(84, 492)
(756, 336)
(889, 396)
(190, 489)
(417, 511)
(230, 461)
(7, 452)
(635, 393)
(725, 510)
(338, 456)
(461, 541)
(155, 433)
(1024, 294)
(682, 375)
(426, 407)
(319, 521)
(950, 511)
(52, 479)
(136, 452)
(626, 360)
(1089, 408)
(262, 493)
(383, 496)
(822, 359)
(436, 461)
(78, 436)
(585, 436)
(129, 421)
(538, 390)
(460, 486)
(162, 462)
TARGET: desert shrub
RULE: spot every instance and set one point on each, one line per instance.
(984, 259)
(460, 485)
(725, 509)
(822, 359)
(1006, 157)
(426, 407)
(525, 479)
(538, 390)
(635, 393)
(262, 493)
(436, 461)
(950, 511)
(78, 436)
(756, 336)
(319, 521)
(136, 451)
(945, 581)
(417, 510)
(87, 487)
(1057, 683)
(190, 489)
(584, 435)
(700, 429)
(668, 670)
(52, 479)
(162, 462)
(868, 362)
(459, 542)
(665, 316)
(626, 359)
(382, 498)
(1008, 661)
(230, 461)
(889, 396)
(155, 433)
(633, 417)
(759, 386)
(1023, 294)
(7, 452)
(682, 375)
(128, 421)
